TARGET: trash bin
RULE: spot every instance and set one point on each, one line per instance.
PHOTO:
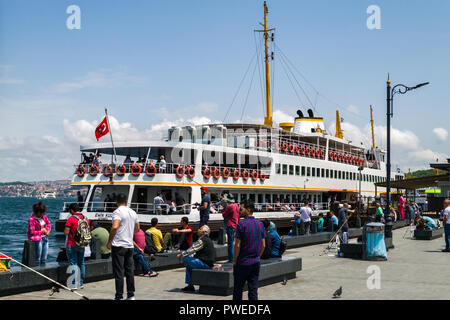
(373, 238)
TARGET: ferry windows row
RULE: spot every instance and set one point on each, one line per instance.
(326, 173)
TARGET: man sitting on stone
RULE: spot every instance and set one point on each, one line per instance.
(201, 255)
(181, 237)
(425, 223)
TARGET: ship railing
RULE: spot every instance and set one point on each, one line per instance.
(288, 207)
(140, 208)
(167, 168)
(249, 168)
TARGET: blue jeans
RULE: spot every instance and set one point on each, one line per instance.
(447, 236)
(249, 274)
(75, 255)
(193, 263)
(230, 242)
(41, 250)
(139, 257)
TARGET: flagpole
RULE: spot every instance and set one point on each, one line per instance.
(112, 142)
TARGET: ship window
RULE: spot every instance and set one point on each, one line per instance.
(327, 173)
(346, 176)
(252, 197)
(318, 172)
(260, 198)
(297, 170)
(340, 174)
(277, 168)
(313, 170)
(291, 169)
(323, 173)
(335, 174)
(303, 171)
(284, 168)
(308, 171)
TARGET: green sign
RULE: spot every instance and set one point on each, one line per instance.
(433, 191)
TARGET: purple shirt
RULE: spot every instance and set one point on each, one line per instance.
(139, 238)
(251, 232)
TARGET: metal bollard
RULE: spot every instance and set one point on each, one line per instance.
(358, 222)
(221, 239)
(313, 227)
(294, 229)
(29, 254)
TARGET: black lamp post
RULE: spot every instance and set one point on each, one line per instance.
(401, 89)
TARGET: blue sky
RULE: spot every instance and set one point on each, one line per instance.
(154, 62)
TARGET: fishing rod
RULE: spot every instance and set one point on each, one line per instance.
(44, 276)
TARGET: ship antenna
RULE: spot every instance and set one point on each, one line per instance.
(371, 121)
(268, 118)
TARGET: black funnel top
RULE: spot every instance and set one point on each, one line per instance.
(311, 114)
(300, 113)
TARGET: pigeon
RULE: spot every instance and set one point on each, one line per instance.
(337, 293)
(54, 289)
(284, 281)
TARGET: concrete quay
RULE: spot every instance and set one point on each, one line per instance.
(415, 270)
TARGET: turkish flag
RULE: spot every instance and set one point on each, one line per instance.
(102, 129)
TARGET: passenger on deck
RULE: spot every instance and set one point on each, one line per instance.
(96, 161)
(277, 204)
(162, 164)
(156, 235)
(181, 237)
(181, 204)
(86, 159)
(80, 200)
(204, 207)
(109, 203)
(91, 158)
(201, 255)
(158, 201)
(138, 254)
(128, 162)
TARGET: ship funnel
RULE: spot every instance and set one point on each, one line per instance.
(300, 114)
(311, 114)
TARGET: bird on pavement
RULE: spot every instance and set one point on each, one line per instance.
(284, 281)
(337, 293)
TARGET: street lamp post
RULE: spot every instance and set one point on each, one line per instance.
(401, 89)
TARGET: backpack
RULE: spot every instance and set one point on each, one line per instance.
(150, 247)
(283, 246)
(83, 235)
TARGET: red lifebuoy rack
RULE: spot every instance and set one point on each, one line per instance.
(133, 169)
(150, 170)
(121, 170)
(81, 172)
(262, 176)
(291, 148)
(236, 174)
(110, 170)
(179, 171)
(225, 173)
(216, 173)
(254, 175)
(96, 170)
(190, 171)
(207, 173)
(245, 175)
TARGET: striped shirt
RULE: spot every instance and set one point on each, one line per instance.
(251, 232)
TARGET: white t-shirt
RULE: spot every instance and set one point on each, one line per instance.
(447, 213)
(305, 214)
(128, 219)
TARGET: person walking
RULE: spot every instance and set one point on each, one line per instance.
(231, 218)
(124, 225)
(38, 231)
(305, 214)
(249, 245)
(204, 207)
(446, 221)
(401, 207)
(78, 237)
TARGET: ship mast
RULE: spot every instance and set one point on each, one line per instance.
(371, 121)
(268, 118)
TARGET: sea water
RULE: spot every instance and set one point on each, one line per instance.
(14, 215)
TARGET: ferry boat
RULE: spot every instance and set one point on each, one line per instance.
(278, 168)
(48, 195)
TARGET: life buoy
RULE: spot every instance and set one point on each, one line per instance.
(322, 154)
(236, 174)
(291, 148)
(254, 175)
(330, 155)
(307, 151)
(216, 173)
(303, 150)
(133, 169)
(96, 170)
(277, 144)
(312, 152)
(120, 170)
(109, 172)
(190, 171)
(179, 171)
(207, 173)
(285, 146)
(262, 176)
(150, 170)
(225, 173)
(81, 171)
(297, 149)
(245, 175)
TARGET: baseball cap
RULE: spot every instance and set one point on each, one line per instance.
(204, 188)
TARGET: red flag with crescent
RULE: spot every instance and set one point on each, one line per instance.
(102, 129)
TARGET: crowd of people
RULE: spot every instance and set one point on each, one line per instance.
(248, 239)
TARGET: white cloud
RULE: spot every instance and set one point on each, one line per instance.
(353, 109)
(279, 116)
(441, 134)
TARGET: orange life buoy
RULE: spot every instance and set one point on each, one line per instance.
(216, 173)
(285, 146)
(291, 148)
(307, 151)
(225, 173)
(312, 152)
(81, 171)
(207, 173)
(254, 175)
(236, 174)
(245, 175)
(180, 171)
(120, 170)
(277, 144)
(96, 170)
(262, 176)
(133, 169)
(110, 171)
(330, 155)
(190, 171)
(302, 149)
(297, 149)
(150, 170)
(322, 154)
